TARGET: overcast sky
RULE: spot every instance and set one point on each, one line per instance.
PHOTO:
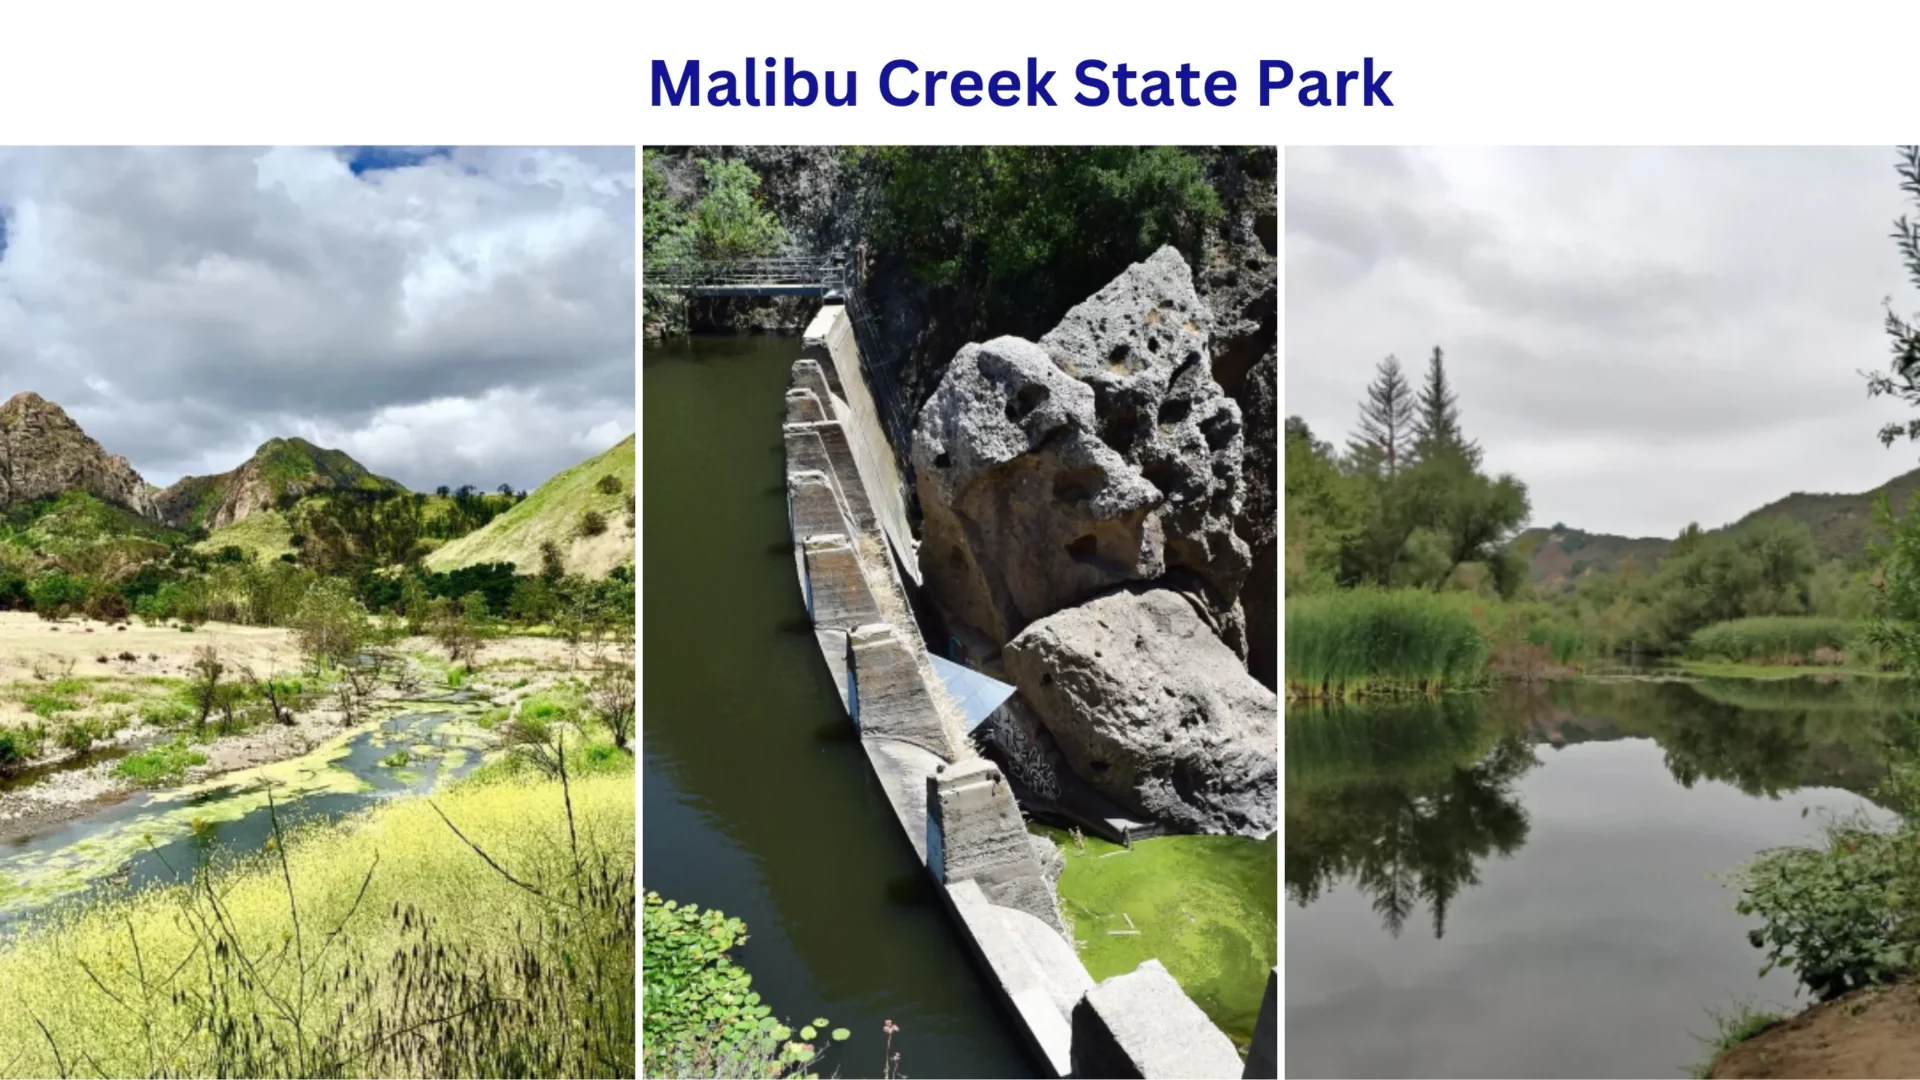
(446, 317)
(1646, 337)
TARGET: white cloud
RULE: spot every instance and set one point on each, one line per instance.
(1647, 337)
(471, 312)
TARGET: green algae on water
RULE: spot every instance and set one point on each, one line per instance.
(1207, 907)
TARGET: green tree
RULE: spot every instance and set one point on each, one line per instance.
(1762, 568)
(1384, 438)
(331, 625)
(1436, 420)
(1022, 233)
(1474, 515)
(728, 222)
(1323, 510)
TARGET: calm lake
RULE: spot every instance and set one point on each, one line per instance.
(1529, 882)
(758, 799)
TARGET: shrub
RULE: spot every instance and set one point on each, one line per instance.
(162, 764)
(1832, 913)
(592, 523)
(1777, 638)
(19, 744)
(608, 485)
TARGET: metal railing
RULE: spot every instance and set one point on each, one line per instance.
(822, 271)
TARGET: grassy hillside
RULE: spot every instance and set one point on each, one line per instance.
(264, 536)
(279, 471)
(1842, 525)
(555, 513)
(77, 519)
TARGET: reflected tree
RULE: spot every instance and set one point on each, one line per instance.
(1410, 835)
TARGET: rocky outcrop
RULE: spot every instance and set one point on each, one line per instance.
(1149, 706)
(43, 453)
(1240, 285)
(280, 470)
(1104, 454)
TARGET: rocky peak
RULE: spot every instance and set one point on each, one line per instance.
(43, 453)
(281, 468)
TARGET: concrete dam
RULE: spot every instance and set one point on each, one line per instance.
(856, 562)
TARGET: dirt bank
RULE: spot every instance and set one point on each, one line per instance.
(31, 647)
(1869, 1033)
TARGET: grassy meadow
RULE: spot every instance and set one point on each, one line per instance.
(487, 930)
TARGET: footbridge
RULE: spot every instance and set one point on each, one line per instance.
(808, 274)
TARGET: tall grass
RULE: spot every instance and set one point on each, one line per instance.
(1790, 639)
(1366, 642)
(488, 931)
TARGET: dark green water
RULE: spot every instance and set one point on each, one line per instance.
(1524, 883)
(758, 799)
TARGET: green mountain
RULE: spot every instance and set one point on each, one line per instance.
(1560, 556)
(1842, 526)
(279, 473)
(558, 513)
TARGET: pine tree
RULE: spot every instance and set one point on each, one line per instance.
(1436, 426)
(1386, 421)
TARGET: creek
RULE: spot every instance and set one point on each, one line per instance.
(164, 835)
(1532, 881)
(758, 798)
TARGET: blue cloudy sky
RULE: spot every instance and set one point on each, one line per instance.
(1648, 337)
(445, 315)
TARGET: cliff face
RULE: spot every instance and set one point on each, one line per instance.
(43, 453)
(280, 469)
(1240, 284)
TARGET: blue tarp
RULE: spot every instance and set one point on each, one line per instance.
(978, 695)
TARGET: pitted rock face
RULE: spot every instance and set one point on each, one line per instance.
(1025, 509)
(1149, 706)
(44, 453)
(1103, 454)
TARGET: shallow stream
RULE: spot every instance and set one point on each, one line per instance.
(164, 835)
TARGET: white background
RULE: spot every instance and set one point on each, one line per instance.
(353, 72)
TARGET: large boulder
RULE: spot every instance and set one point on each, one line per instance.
(1150, 707)
(1025, 509)
(1105, 454)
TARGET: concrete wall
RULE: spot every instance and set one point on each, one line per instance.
(961, 818)
(830, 342)
(1141, 1025)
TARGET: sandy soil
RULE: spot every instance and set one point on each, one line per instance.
(30, 645)
(1869, 1033)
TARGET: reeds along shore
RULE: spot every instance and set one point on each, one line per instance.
(1365, 642)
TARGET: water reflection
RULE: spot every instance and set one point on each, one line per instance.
(1405, 801)
(1565, 844)
(1408, 800)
